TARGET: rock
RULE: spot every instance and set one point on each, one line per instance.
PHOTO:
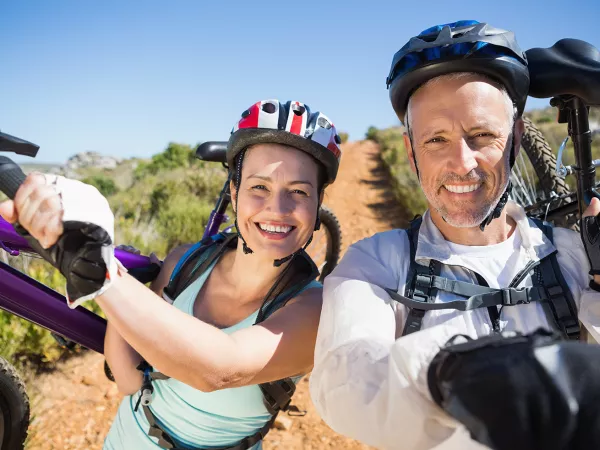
(283, 423)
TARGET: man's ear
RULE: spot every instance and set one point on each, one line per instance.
(519, 129)
(409, 152)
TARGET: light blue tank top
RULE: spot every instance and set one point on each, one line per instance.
(195, 418)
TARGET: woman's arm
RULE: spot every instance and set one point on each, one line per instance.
(120, 356)
(202, 356)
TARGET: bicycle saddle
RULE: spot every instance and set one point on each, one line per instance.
(213, 151)
(569, 67)
(16, 145)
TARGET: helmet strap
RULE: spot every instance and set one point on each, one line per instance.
(279, 262)
(504, 199)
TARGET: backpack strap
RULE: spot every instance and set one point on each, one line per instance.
(418, 292)
(300, 272)
(562, 309)
(196, 261)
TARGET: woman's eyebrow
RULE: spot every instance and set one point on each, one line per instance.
(264, 178)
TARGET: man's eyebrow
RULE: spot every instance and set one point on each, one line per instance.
(262, 177)
(483, 125)
(432, 131)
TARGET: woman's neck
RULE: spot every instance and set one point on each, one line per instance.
(250, 275)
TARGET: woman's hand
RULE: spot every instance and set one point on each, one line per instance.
(70, 224)
(38, 208)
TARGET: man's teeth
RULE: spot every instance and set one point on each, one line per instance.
(461, 189)
(275, 228)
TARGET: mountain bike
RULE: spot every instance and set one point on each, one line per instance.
(31, 300)
(569, 74)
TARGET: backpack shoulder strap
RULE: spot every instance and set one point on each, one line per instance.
(195, 262)
(300, 273)
(561, 308)
(414, 290)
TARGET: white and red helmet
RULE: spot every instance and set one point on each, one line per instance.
(291, 123)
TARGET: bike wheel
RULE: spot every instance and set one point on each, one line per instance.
(14, 408)
(534, 175)
(326, 244)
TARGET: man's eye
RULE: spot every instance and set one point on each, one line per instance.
(435, 140)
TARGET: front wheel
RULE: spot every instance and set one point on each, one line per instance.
(14, 408)
(326, 244)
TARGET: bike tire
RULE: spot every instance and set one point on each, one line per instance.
(543, 161)
(331, 225)
(14, 408)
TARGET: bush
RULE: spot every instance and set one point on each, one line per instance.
(104, 184)
(175, 156)
(393, 152)
(343, 136)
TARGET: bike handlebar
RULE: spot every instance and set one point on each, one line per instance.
(11, 177)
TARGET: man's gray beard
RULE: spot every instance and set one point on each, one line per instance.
(480, 217)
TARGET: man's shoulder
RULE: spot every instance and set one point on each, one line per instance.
(394, 237)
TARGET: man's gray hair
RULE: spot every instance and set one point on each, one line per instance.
(511, 109)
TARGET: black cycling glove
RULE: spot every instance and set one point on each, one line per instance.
(590, 234)
(521, 392)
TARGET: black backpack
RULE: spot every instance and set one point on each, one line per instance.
(549, 288)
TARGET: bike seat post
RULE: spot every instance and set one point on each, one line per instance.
(579, 131)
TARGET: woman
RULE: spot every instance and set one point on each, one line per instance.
(205, 358)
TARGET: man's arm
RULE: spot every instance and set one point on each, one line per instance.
(367, 384)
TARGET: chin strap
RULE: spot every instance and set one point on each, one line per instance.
(279, 262)
(504, 199)
(498, 209)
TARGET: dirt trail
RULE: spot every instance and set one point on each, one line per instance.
(73, 406)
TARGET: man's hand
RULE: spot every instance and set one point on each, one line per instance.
(521, 392)
(590, 234)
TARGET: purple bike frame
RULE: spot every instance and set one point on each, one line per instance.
(33, 301)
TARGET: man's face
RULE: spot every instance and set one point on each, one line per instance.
(461, 136)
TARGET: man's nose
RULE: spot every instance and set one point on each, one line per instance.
(462, 158)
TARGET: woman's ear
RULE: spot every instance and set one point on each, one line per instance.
(234, 193)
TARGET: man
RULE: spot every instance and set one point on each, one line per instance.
(416, 346)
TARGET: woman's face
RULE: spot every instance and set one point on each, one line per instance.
(277, 200)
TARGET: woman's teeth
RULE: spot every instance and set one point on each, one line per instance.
(275, 228)
(462, 188)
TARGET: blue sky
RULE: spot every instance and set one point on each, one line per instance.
(126, 77)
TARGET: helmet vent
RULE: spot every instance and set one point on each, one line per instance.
(298, 109)
(323, 123)
(245, 114)
(269, 108)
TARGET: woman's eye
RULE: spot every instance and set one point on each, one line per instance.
(298, 191)
(259, 187)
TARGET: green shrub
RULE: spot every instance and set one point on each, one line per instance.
(104, 184)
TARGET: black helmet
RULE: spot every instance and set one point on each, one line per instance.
(463, 46)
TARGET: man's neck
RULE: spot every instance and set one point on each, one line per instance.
(498, 230)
